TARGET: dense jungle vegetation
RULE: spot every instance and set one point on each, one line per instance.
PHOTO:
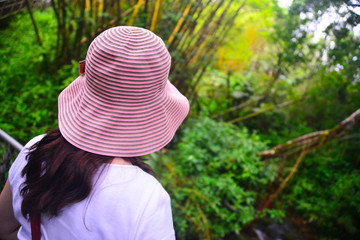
(272, 132)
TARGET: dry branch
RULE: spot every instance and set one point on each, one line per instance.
(312, 140)
(268, 200)
(244, 104)
(254, 114)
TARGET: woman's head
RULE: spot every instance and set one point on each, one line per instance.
(123, 105)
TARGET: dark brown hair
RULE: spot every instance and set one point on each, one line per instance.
(59, 174)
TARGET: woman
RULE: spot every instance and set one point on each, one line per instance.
(86, 180)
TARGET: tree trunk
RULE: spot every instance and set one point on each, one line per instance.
(79, 30)
(29, 8)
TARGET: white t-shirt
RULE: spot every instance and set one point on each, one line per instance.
(126, 203)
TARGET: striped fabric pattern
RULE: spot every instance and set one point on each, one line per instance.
(124, 104)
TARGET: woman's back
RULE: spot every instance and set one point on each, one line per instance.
(125, 203)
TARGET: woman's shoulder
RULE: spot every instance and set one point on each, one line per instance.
(133, 180)
(33, 141)
(15, 177)
(21, 157)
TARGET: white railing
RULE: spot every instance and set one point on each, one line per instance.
(9, 148)
(7, 138)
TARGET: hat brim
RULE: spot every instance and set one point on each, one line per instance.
(119, 130)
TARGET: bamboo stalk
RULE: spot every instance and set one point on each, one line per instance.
(195, 42)
(204, 32)
(135, 12)
(203, 36)
(97, 3)
(88, 26)
(112, 9)
(182, 41)
(105, 6)
(179, 23)
(93, 34)
(119, 7)
(65, 53)
(184, 28)
(191, 94)
(198, 51)
(146, 7)
(155, 15)
(198, 35)
(58, 31)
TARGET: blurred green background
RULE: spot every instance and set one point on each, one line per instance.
(272, 137)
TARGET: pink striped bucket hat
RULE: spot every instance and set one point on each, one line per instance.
(122, 104)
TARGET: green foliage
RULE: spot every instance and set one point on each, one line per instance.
(30, 85)
(214, 178)
(326, 192)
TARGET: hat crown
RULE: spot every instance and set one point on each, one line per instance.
(128, 62)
